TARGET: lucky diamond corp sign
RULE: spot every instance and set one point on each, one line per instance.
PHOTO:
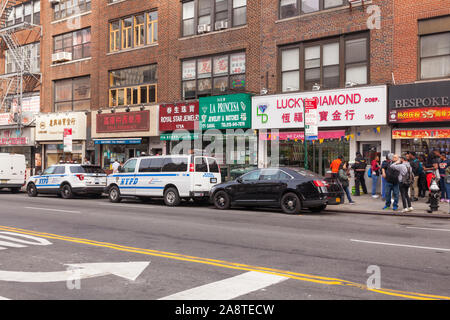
(226, 112)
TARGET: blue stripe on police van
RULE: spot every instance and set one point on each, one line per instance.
(47, 185)
(145, 175)
(141, 187)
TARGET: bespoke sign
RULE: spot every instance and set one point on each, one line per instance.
(226, 112)
(335, 108)
(179, 116)
(123, 121)
(420, 102)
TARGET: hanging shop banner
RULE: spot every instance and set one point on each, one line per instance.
(50, 126)
(420, 133)
(226, 112)
(420, 102)
(67, 141)
(179, 116)
(16, 137)
(123, 121)
(335, 108)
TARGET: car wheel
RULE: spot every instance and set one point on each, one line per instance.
(171, 197)
(318, 209)
(114, 194)
(32, 190)
(290, 203)
(222, 200)
(66, 192)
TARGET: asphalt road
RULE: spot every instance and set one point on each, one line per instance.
(197, 252)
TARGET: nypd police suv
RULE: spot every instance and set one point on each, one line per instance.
(67, 180)
(172, 178)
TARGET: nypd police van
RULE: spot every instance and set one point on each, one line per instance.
(172, 178)
(67, 180)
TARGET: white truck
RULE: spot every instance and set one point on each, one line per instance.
(13, 171)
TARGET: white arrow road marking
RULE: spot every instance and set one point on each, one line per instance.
(127, 270)
(399, 245)
(52, 210)
(3, 298)
(229, 288)
(37, 241)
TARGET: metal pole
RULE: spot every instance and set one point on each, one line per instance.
(304, 136)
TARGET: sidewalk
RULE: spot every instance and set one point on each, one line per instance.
(365, 204)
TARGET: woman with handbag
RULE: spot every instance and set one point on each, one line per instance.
(343, 177)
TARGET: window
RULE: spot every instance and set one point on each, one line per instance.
(269, 175)
(135, 31)
(68, 8)
(49, 170)
(200, 164)
(251, 176)
(60, 170)
(72, 94)
(151, 165)
(291, 8)
(77, 42)
(130, 166)
(135, 85)
(214, 75)
(175, 165)
(28, 12)
(200, 16)
(32, 62)
(435, 56)
(319, 63)
(213, 165)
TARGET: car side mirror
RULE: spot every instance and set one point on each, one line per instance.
(121, 169)
(239, 180)
(39, 173)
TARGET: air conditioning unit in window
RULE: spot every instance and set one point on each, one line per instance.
(220, 25)
(53, 2)
(355, 3)
(203, 28)
(61, 57)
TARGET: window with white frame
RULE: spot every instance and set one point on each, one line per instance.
(33, 59)
(29, 12)
(201, 16)
(435, 56)
(291, 8)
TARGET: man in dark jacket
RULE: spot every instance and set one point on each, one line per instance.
(360, 169)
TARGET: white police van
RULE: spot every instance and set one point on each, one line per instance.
(67, 180)
(172, 178)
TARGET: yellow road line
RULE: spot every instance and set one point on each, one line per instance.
(229, 265)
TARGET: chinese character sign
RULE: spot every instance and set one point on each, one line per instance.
(123, 122)
(179, 116)
(335, 108)
(225, 112)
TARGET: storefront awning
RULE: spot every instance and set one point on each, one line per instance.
(118, 141)
(331, 134)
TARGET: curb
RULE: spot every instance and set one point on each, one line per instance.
(399, 214)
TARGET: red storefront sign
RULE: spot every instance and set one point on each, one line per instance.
(179, 116)
(420, 115)
(421, 134)
(123, 122)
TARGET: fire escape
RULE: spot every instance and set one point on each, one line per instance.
(23, 78)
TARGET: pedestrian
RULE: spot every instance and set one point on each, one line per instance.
(432, 164)
(406, 179)
(343, 177)
(391, 173)
(375, 167)
(447, 183)
(335, 166)
(422, 177)
(86, 161)
(360, 170)
(115, 166)
(415, 166)
(443, 165)
(384, 164)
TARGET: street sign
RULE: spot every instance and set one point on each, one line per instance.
(67, 140)
(311, 123)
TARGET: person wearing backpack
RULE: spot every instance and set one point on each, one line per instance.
(391, 172)
(406, 179)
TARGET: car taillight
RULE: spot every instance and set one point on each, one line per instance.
(80, 176)
(191, 167)
(319, 183)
